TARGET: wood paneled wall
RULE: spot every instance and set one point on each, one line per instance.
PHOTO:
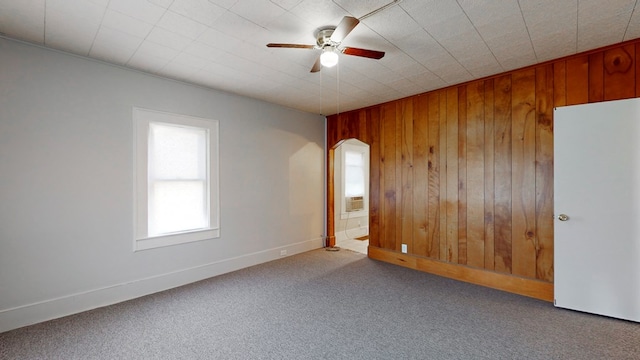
(464, 175)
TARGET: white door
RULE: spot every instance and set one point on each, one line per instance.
(597, 208)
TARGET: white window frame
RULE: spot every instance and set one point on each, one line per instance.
(141, 119)
(358, 149)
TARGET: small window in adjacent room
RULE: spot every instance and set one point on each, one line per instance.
(176, 172)
(354, 164)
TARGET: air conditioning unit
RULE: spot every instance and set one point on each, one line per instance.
(354, 203)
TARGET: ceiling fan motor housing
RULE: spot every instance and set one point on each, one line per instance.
(323, 38)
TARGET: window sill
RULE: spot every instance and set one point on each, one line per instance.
(354, 214)
(175, 239)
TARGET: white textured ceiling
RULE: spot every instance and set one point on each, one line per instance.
(429, 44)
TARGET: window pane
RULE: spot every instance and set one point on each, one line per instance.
(352, 158)
(354, 174)
(177, 206)
(177, 152)
(177, 192)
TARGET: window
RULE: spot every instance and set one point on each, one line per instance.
(176, 179)
(355, 168)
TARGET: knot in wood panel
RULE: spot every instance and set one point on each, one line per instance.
(390, 194)
(544, 120)
(617, 61)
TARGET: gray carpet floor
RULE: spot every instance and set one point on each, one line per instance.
(327, 305)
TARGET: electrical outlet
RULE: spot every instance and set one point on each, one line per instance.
(404, 248)
(283, 252)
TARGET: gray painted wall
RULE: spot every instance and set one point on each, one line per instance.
(66, 184)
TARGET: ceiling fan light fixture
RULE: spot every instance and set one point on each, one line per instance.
(329, 57)
(329, 40)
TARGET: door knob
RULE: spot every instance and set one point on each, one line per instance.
(563, 217)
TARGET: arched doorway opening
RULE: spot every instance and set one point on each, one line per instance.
(348, 196)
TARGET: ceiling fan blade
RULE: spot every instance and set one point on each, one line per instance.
(344, 28)
(316, 66)
(293, 46)
(372, 54)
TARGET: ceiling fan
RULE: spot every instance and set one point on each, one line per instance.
(328, 39)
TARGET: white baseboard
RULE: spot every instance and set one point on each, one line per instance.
(50, 309)
(351, 233)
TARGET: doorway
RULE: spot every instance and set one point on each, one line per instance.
(351, 195)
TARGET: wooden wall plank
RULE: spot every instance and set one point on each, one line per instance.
(347, 127)
(637, 69)
(462, 175)
(340, 124)
(389, 210)
(351, 127)
(363, 131)
(619, 73)
(544, 173)
(475, 174)
(398, 172)
(373, 118)
(523, 173)
(596, 77)
(578, 80)
(420, 175)
(502, 170)
(489, 184)
(443, 176)
(404, 174)
(560, 83)
(433, 168)
(452, 176)
(332, 131)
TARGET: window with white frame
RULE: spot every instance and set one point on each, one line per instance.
(354, 169)
(176, 179)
